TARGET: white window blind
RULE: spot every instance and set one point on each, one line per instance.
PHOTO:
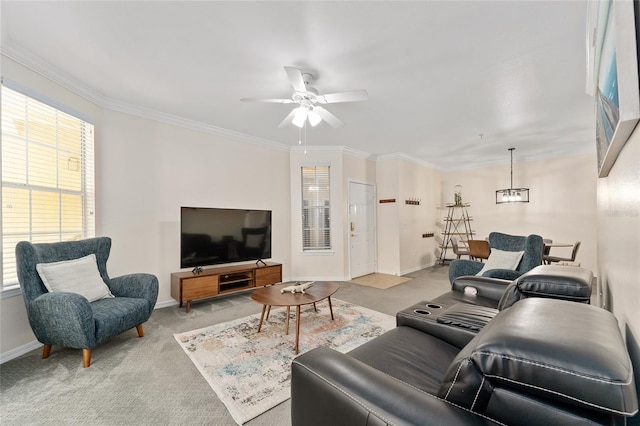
(316, 208)
(47, 177)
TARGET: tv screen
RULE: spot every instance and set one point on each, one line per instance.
(210, 236)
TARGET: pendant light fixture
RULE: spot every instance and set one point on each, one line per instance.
(512, 195)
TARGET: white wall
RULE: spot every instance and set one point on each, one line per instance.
(316, 265)
(387, 182)
(619, 245)
(562, 203)
(420, 182)
(401, 247)
(148, 170)
(345, 166)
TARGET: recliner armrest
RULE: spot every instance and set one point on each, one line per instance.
(331, 388)
(490, 288)
(552, 281)
(502, 274)
(571, 283)
(567, 353)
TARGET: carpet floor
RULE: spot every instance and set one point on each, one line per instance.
(151, 381)
(251, 372)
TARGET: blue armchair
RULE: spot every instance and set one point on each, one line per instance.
(531, 245)
(69, 319)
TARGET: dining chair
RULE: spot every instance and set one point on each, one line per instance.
(574, 251)
(479, 249)
(456, 249)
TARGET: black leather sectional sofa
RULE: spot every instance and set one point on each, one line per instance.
(540, 361)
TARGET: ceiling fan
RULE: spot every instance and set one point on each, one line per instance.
(310, 101)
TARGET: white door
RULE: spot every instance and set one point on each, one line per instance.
(362, 229)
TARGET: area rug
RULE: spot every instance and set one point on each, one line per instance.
(250, 372)
(381, 281)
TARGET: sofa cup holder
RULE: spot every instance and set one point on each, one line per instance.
(433, 306)
(421, 312)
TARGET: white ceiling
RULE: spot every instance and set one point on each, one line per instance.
(438, 74)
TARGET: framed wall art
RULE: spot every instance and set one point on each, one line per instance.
(612, 76)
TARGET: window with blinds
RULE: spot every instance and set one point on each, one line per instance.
(316, 208)
(47, 177)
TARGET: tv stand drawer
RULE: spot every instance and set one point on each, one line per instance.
(212, 282)
(198, 288)
(267, 275)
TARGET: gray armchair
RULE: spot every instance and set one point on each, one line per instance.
(532, 257)
(69, 319)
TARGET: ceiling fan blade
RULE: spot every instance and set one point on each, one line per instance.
(295, 77)
(328, 117)
(288, 119)
(277, 101)
(354, 96)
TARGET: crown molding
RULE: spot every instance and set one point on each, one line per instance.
(48, 71)
(569, 151)
(359, 154)
(186, 123)
(407, 157)
(336, 148)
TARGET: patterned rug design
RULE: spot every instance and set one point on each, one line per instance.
(250, 372)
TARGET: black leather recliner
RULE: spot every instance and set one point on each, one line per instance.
(540, 362)
(553, 281)
(473, 301)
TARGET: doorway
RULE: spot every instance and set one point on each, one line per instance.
(362, 229)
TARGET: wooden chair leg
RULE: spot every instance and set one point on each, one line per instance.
(46, 350)
(86, 357)
(140, 330)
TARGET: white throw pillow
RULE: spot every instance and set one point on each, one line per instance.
(500, 259)
(80, 276)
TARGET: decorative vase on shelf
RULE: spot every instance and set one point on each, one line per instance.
(457, 195)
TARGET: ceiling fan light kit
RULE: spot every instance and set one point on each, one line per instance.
(308, 98)
(511, 194)
(299, 116)
(314, 118)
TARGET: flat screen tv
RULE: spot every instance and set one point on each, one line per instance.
(211, 236)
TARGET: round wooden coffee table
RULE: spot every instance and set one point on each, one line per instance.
(271, 296)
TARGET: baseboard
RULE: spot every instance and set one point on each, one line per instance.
(28, 347)
(416, 269)
(316, 279)
(166, 304)
(406, 271)
(19, 351)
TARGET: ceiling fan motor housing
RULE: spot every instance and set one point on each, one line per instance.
(307, 97)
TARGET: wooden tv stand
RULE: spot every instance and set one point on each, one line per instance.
(212, 282)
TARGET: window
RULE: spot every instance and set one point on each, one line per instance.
(47, 177)
(316, 208)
